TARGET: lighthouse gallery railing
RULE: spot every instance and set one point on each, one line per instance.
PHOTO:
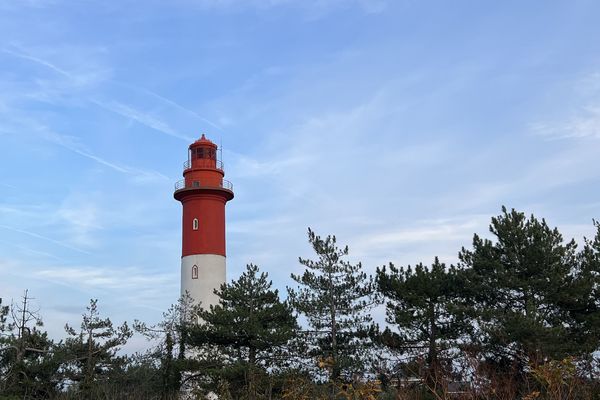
(196, 184)
(204, 163)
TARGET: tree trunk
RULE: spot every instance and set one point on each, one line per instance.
(251, 376)
(432, 358)
(335, 369)
(21, 328)
(88, 376)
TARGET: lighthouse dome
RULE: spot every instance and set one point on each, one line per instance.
(203, 142)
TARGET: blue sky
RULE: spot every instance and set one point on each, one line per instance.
(399, 126)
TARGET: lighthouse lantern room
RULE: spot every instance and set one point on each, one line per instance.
(203, 194)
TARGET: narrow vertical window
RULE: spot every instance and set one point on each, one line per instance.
(195, 272)
(195, 224)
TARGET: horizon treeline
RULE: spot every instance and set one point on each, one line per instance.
(517, 317)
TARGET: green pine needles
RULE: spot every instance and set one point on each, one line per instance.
(335, 296)
(249, 328)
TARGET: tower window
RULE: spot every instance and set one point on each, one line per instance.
(195, 272)
(195, 224)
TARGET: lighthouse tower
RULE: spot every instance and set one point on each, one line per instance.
(203, 193)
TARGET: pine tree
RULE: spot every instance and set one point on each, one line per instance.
(583, 301)
(335, 296)
(249, 327)
(425, 305)
(92, 350)
(170, 334)
(27, 364)
(3, 315)
(518, 286)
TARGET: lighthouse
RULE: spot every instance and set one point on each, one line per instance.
(203, 194)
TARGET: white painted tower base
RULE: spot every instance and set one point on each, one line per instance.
(210, 275)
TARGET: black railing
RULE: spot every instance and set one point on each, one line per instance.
(204, 163)
(197, 184)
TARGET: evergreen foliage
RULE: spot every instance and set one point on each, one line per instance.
(26, 363)
(335, 296)
(425, 305)
(92, 351)
(250, 328)
(3, 315)
(171, 349)
(518, 285)
(583, 303)
(517, 318)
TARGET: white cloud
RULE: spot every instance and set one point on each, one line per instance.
(144, 118)
(137, 291)
(244, 166)
(103, 277)
(132, 285)
(45, 238)
(73, 144)
(85, 70)
(584, 124)
(177, 106)
(82, 220)
(427, 231)
(31, 250)
(580, 114)
(19, 52)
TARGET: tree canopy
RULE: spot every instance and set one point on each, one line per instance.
(425, 304)
(335, 296)
(250, 326)
(518, 317)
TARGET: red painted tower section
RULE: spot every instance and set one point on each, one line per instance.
(203, 194)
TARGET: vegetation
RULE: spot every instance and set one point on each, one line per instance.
(335, 296)
(242, 338)
(426, 306)
(517, 318)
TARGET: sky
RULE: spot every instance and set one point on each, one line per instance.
(400, 126)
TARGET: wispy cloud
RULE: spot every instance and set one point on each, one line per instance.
(427, 231)
(134, 285)
(585, 124)
(107, 277)
(245, 166)
(82, 221)
(22, 210)
(419, 241)
(580, 115)
(86, 73)
(143, 118)
(91, 74)
(73, 144)
(19, 52)
(178, 106)
(51, 90)
(32, 251)
(48, 239)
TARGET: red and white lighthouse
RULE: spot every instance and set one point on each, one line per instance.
(203, 193)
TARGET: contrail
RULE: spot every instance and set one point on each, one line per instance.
(36, 235)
